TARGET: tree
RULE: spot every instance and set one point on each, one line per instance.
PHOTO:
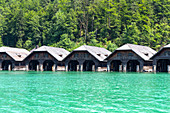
(27, 23)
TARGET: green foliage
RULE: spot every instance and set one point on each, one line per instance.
(28, 45)
(111, 46)
(1, 43)
(72, 23)
(65, 43)
(19, 43)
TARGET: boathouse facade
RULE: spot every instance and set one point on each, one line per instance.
(87, 58)
(46, 58)
(130, 58)
(161, 60)
(11, 58)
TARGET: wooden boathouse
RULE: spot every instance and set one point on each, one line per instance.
(87, 58)
(161, 60)
(46, 58)
(131, 58)
(11, 58)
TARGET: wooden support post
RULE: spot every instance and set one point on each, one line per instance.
(124, 67)
(27, 67)
(66, 67)
(137, 68)
(120, 68)
(41, 67)
(54, 67)
(108, 67)
(93, 67)
(168, 67)
(81, 67)
(37, 67)
(9, 67)
(154, 68)
(77, 68)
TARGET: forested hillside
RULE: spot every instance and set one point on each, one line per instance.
(71, 23)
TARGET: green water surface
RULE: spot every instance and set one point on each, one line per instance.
(84, 92)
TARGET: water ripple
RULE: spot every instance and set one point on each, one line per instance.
(84, 92)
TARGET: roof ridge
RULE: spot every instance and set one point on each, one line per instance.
(11, 47)
(46, 47)
(95, 47)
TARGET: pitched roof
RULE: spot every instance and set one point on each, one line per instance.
(98, 52)
(143, 51)
(58, 53)
(167, 46)
(16, 53)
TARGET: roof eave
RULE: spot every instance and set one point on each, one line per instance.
(124, 50)
(157, 53)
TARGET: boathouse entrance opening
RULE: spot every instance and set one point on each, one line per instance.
(48, 65)
(34, 65)
(88, 65)
(73, 65)
(115, 65)
(162, 65)
(133, 66)
(6, 65)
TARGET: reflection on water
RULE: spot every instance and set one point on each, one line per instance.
(84, 92)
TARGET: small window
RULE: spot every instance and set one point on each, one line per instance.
(4, 56)
(146, 54)
(87, 55)
(19, 55)
(61, 55)
(166, 53)
(81, 55)
(36, 55)
(46, 55)
(130, 54)
(99, 54)
(119, 54)
(76, 55)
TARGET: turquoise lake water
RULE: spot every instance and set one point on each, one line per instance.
(84, 92)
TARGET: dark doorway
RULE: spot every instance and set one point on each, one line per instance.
(6, 64)
(162, 65)
(48, 65)
(33, 65)
(88, 65)
(72, 65)
(114, 65)
(132, 65)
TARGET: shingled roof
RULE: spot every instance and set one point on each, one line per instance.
(98, 52)
(167, 46)
(58, 53)
(16, 53)
(143, 51)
